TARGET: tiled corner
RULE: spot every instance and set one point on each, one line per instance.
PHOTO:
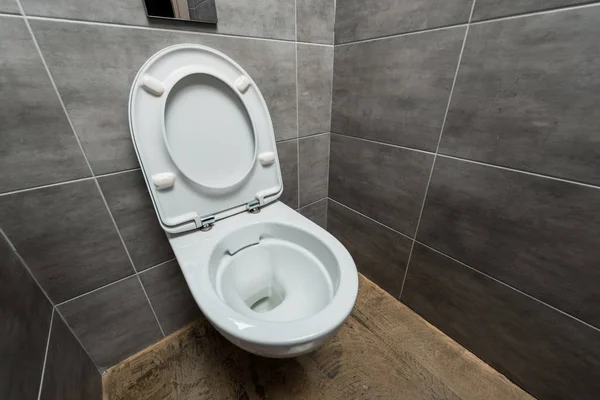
(9, 6)
(316, 212)
(170, 296)
(396, 90)
(288, 160)
(132, 208)
(379, 253)
(486, 9)
(315, 20)
(364, 19)
(267, 18)
(114, 322)
(527, 95)
(66, 236)
(314, 168)
(70, 374)
(547, 353)
(38, 145)
(94, 79)
(536, 234)
(25, 315)
(315, 69)
(386, 183)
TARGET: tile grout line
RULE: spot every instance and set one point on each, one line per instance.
(468, 266)
(460, 55)
(554, 178)
(313, 203)
(25, 265)
(479, 22)
(153, 28)
(76, 337)
(39, 50)
(508, 286)
(297, 108)
(46, 355)
(331, 106)
(29, 189)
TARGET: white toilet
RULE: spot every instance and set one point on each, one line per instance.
(271, 281)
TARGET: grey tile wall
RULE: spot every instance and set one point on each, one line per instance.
(70, 373)
(314, 168)
(384, 182)
(396, 90)
(170, 296)
(536, 234)
(360, 19)
(316, 212)
(527, 95)
(267, 18)
(486, 9)
(37, 145)
(132, 208)
(288, 159)
(9, 6)
(82, 240)
(379, 253)
(24, 325)
(315, 20)
(94, 80)
(113, 322)
(65, 234)
(315, 69)
(548, 353)
(504, 259)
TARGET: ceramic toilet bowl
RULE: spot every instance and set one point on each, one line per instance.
(270, 280)
(273, 283)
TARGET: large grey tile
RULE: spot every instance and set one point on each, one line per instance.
(536, 234)
(94, 79)
(24, 325)
(379, 253)
(315, 69)
(545, 352)
(37, 145)
(383, 182)
(396, 90)
(316, 212)
(527, 95)
(131, 206)
(315, 20)
(288, 160)
(360, 19)
(70, 374)
(65, 234)
(170, 296)
(485, 9)
(9, 6)
(314, 168)
(114, 322)
(266, 18)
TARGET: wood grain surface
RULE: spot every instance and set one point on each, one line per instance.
(383, 351)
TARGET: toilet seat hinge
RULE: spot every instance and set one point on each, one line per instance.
(253, 206)
(207, 223)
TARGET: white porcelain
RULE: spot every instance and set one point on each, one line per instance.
(276, 249)
(272, 282)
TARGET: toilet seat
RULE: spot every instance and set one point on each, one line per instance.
(204, 137)
(195, 250)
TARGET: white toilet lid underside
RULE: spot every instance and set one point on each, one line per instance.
(192, 121)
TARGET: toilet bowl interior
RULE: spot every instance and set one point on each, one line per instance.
(274, 272)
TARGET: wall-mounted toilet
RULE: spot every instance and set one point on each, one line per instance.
(271, 281)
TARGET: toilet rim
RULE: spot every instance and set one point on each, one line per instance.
(289, 332)
(177, 76)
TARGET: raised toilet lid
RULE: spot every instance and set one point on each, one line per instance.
(203, 136)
